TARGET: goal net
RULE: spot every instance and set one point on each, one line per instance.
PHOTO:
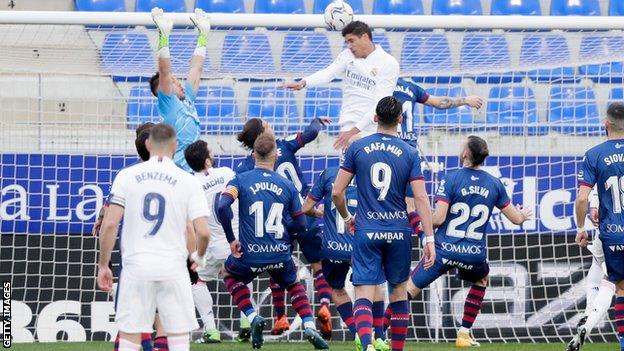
(72, 96)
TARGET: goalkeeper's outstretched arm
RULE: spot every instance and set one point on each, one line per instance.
(202, 23)
(165, 82)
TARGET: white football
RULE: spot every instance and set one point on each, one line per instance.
(338, 14)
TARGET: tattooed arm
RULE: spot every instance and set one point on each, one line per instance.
(445, 102)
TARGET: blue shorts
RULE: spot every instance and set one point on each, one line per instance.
(614, 259)
(283, 273)
(311, 244)
(335, 272)
(385, 256)
(422, 277)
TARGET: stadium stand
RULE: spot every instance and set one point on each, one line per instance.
(514, 110)
(427, 53)
(125, 54)
(305, 52)
(166, 5)
(356, 5)
(491, 48)
(602, 46)
(575, 8)
(182, 47)
(224, 6)
(516, 7)
(548, 50)
(275, 105)
(279, 6)
(456, 7)
(248, 52)
(217, 110)
(573, 110)
(398, 7)
(141, 107)
(95, 5)
(616, 8)
(323, 102)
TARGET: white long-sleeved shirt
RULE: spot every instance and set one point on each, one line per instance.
(365, 82)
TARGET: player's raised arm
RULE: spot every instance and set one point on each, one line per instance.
(314, 196)
(445, 102)
(202, 23)
(164, 82)
(324, 76)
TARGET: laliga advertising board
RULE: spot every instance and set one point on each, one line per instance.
(50, 202)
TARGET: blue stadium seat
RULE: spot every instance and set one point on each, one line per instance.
(602, 47)
(484, 52)
(141, 107)
(513, 110)
(182, 47)
(430, 54)
(457, 119)
(222, 6)
(457, 7)
(276, 105)
(279, 6)
(323, 102)
(398, 7)
(516, 7)
(305, 52)
(616, 94)
(356, 5)
(575, 8)
(99, 5)
(217, 110)
(248, 53)
(166, 5)
(547, 49)
(573, 110)
(127, 56)
(616, 8)
(382, 40)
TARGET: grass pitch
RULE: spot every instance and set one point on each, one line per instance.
(296, 346)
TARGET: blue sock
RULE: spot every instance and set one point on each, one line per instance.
(346, 313)
(378, 316)
(364, 321)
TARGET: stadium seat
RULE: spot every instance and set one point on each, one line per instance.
(547, 50)
(483, 53)
(217, 110)
(513, 110)
(516, 7)
(602, 48)
(616, 8)
(279, 6)
(141, 107)
(305, 52)
(457, 119)
(616, 94)
(222, 6)
(127, 56)
(456, 7)
(398, 7)
(429, 56)
(575, 8)
(323, 102)
(276, 105)
(381, 39)
(573, 110)
(248, 53)
(166, 5)
(356, 5)
(182, 47)
(99, 5)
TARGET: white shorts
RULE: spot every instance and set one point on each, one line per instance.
(212, 269)
(138, 300)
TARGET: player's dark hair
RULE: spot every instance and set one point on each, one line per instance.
(388, 111)
(142, 134)
(161, 133)
(251, 130)
(264, 146)
(153, 82)
(615, 113)
(357, 28)
(196, 155)
(478, 150)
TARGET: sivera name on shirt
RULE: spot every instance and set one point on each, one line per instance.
(266, 186)
(157, 176)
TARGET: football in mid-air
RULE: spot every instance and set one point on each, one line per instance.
(338, 14)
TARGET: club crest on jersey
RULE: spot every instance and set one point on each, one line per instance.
(473, 178)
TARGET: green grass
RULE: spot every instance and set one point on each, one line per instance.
(295, 346)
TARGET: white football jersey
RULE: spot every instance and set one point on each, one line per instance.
(213, 182)
(158, 198)
(365, 82)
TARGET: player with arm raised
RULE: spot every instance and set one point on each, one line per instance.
(384, 165)
(603, 166)
(464, 202)
(213, 180)
(155, 199)
(176, 100)
(368, 72)
(287, 166)
(599, 290)
(265, 200)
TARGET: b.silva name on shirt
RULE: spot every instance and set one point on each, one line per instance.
(475, 189)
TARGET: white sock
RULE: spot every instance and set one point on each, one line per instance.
(464, 330)
(251, 316)
(179, 343)
(203, 303)
(594, 277)
(127, 345)
(309, 324)
(242, 315)
(601, 304)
